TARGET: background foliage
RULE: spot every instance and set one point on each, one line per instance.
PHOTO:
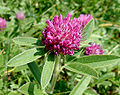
(14, 80)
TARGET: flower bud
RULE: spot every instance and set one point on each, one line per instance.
(2, 24)
(20, 15)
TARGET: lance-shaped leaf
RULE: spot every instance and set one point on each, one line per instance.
(104, 77)
(87, 30)
(81, 69)
(47, 73)
(90, 92)
(26, 57)
(97, 61)
(27, 41)
(81, 86)
(35, 71)
(30, 89)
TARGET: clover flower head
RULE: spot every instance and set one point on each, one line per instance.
(20, 15)
(62, 35)
(2, 24)
(84, 19)
(94, 49)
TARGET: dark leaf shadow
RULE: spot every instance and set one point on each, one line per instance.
(31, 89)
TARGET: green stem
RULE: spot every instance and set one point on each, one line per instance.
(55, 73)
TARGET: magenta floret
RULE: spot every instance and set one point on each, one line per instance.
(62, 35)
(2, 24)
(94, 49)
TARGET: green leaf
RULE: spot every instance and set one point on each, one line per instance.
(1, 59)
(90, 92)
(81, 69)
(14, 93)
(26, 57)
(106, 83)
(35, 70)
(30, 32)
(81, 86)
(28, 41)
(1, 83)
(104, 77)
(47, 73)
(30, 89)
(2, 68)
(96, 61)
(87, 30)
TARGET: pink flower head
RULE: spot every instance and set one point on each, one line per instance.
(84, 19)
(94, 49)
(20, 15)
(62, 35)
(2, 24)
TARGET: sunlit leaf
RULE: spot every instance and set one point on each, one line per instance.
(81, 86)
(26, 57)
(81, 69)
(47, 73)
(96, 61)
